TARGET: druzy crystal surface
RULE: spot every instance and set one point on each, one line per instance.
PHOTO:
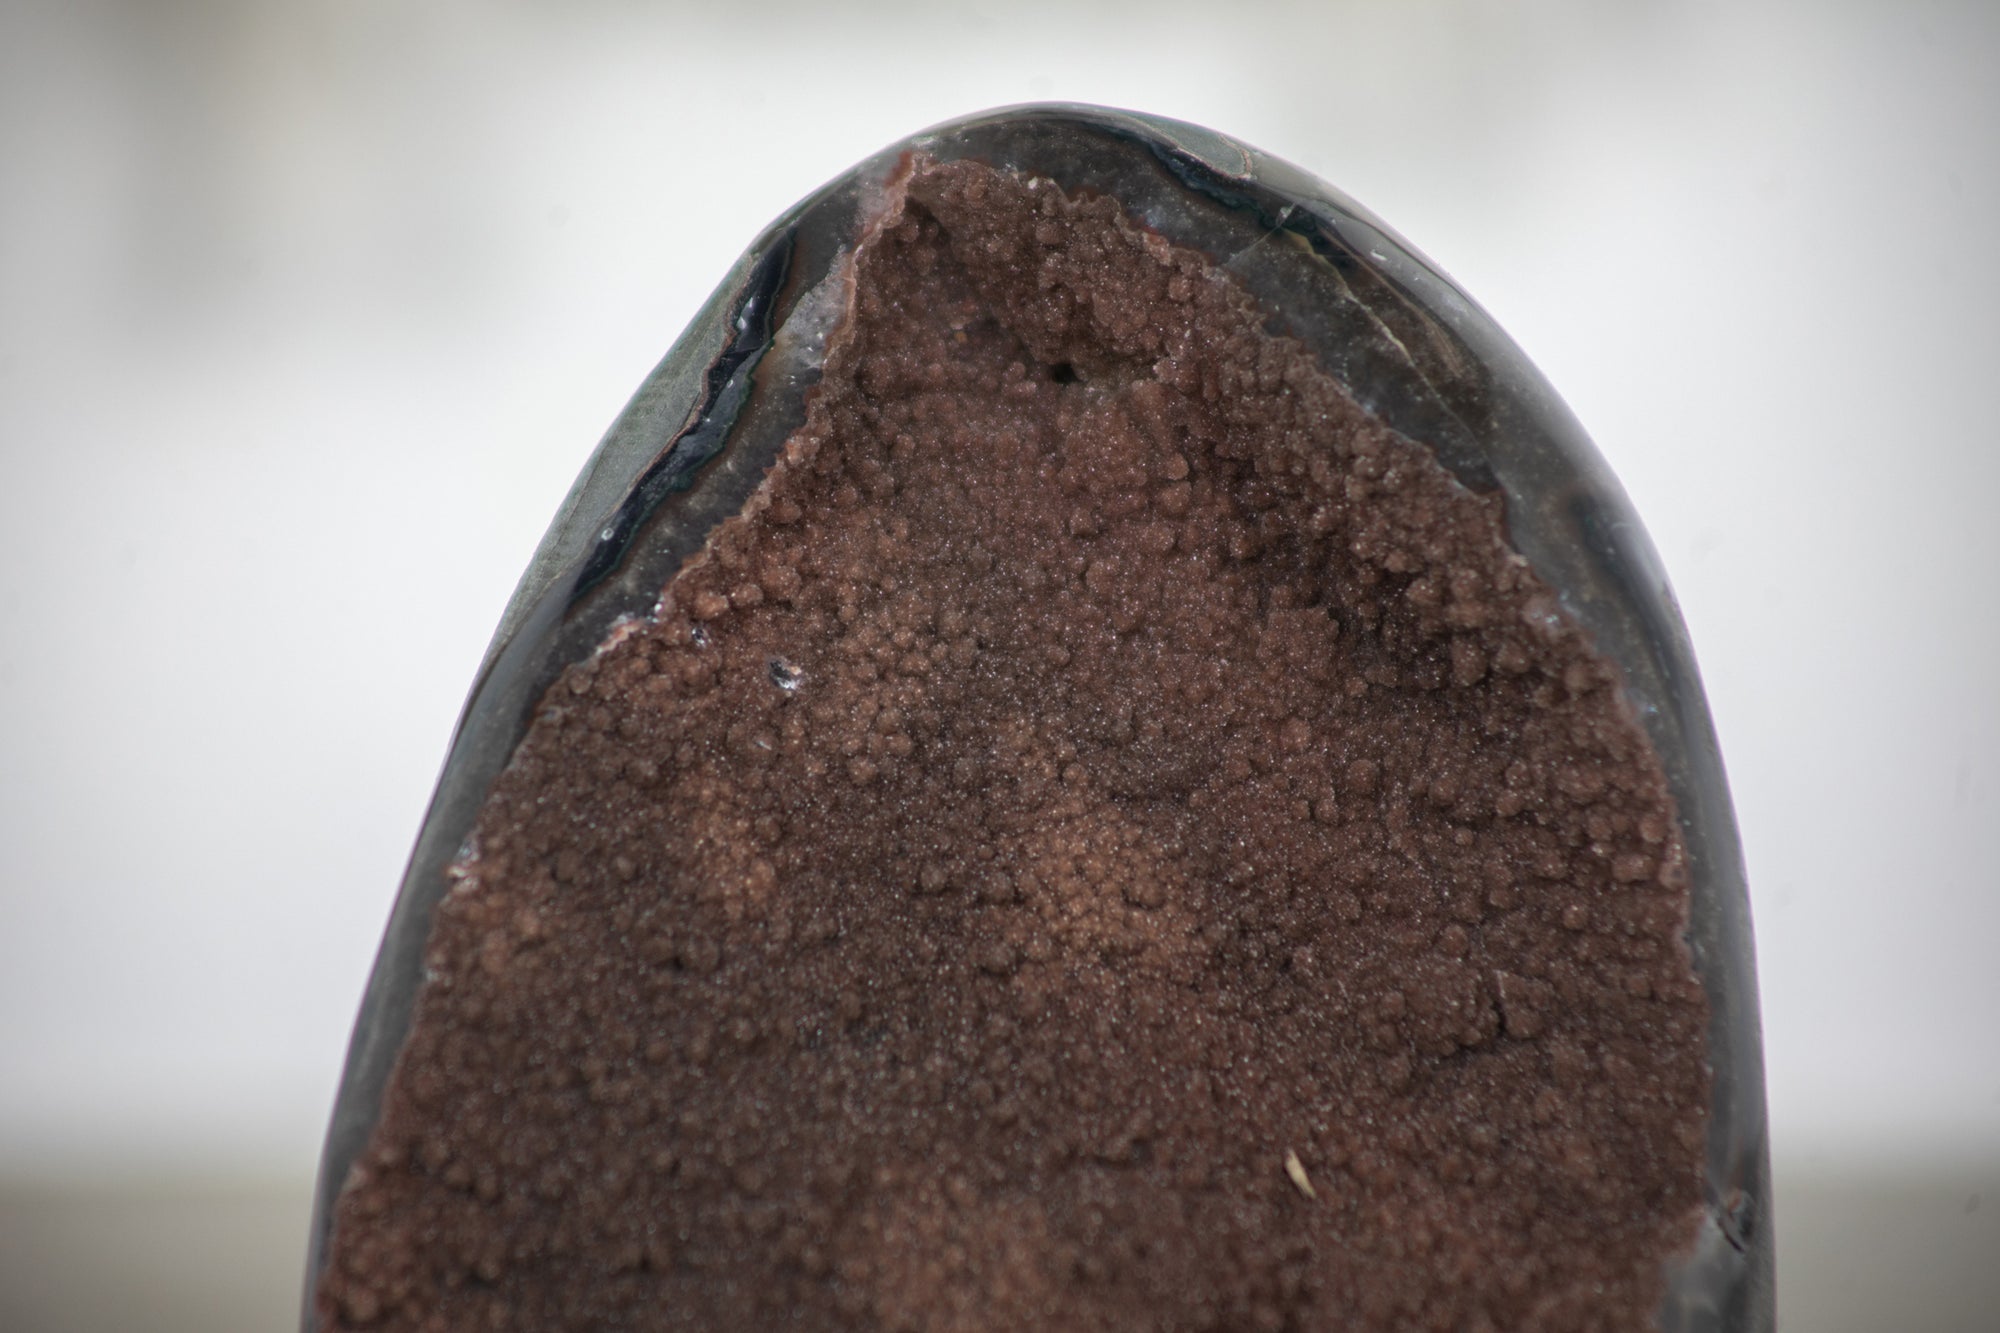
(1095, 747)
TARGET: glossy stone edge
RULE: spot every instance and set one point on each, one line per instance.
(1419, 353)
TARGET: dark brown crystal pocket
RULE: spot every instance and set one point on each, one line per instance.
(1095, 745)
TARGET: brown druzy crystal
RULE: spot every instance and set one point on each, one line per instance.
(1110, 837)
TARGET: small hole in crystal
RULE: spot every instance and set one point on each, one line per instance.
(1062, 372)
(784, 675)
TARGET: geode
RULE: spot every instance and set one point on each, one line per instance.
(1095, 748)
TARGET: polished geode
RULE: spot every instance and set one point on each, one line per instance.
(1418, 357)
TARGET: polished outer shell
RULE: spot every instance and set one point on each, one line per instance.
(1412, 348)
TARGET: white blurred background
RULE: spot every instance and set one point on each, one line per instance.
(310, 311)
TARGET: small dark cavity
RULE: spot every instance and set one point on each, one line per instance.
(784, 675)
(1062, 372)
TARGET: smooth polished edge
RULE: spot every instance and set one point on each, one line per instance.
(1416, 351)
